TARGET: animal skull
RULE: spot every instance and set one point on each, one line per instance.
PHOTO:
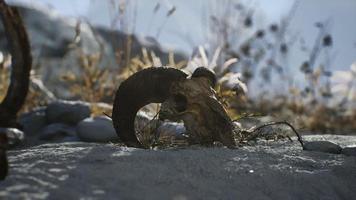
(192, 100)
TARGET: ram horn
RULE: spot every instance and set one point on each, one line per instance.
(19, 46)
(207, 73)
(151, 85)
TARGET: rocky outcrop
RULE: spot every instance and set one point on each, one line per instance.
(274, 170)
(52, 37)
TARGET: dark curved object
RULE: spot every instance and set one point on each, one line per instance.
(21, 65)
(151, 85)
(207, 73)
(4, 166)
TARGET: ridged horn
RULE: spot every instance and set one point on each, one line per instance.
(150, 85)
(207, 73)
(19, 47)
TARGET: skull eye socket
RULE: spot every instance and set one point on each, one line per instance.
(180, 102)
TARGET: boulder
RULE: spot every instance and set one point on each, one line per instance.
(54, 44)
(33, 121)
(56, 132)
(67, 112)
(97, 129)
(50, 33)
(349, 151)
(322, 146)
(15, 137)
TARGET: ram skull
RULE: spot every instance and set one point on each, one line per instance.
(192, 100)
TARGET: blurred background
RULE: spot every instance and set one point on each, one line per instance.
(287, 59)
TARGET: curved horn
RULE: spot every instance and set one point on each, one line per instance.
(207, 73)
(21, 65)
(150, 85)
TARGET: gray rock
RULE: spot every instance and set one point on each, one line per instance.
(56, 132)
(52, 38)
(71, 139)
(67, 112)
(173, 129)
(322, 146)
(51, 34)
(97, 129)
(278, 170)
(33, 121)
(15, 136)
(349, 151)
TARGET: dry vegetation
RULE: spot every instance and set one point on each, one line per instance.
(240, 54)
(4, 75)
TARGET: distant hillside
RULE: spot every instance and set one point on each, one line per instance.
(51, 36)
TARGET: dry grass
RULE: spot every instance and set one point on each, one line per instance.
(4, 75)
(236, 45)
(93, 84)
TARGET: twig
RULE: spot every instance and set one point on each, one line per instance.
(154, 117)
(154, 130)
(107, 115)
(255, 135)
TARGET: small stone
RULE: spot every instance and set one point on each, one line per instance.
(322, 146)
(171, 129)
(33, 121)
(349, 151)
(14, 136)
(67, 112)
(97, 129)
(56, 131)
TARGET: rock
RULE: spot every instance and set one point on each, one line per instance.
(67, 112)
(33, 121)
(322, 146)
(172, 133)
(237, 125)
(51, 34)
(53, 43)
(15, 137)
(349, 151)
(56, 131)
(277, 170)
(97, 129)
(71, 139)
(171, 129)
(248, 122)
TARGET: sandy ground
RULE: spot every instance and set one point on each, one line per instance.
(275, 170)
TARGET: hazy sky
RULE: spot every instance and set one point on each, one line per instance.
(188, 20)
